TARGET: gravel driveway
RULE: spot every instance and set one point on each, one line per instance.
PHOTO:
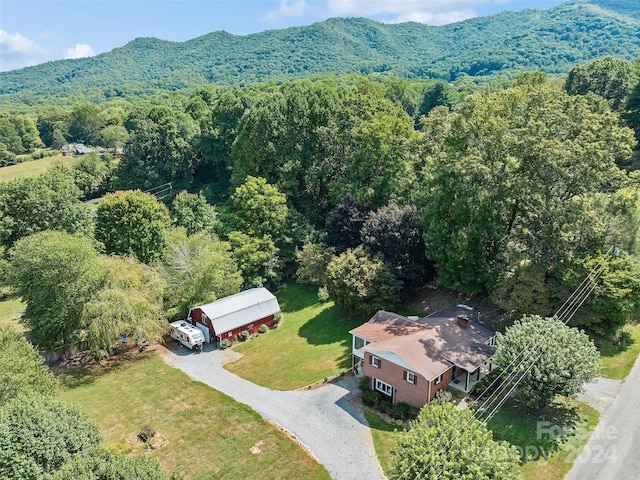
(324, 420)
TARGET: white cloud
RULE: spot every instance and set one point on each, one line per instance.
(287, 9)
(80, 50)
(424, 11)
(430, 18)
(18, 44)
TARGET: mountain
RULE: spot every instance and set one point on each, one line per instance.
(550, 40)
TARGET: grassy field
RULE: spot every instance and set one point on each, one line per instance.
(9, 308)
(210, 436)
(617, 362)
(547, 459)
(34, 167)
(313, 343)
(384, 439)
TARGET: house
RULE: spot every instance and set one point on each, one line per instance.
(228, 317)
(409, 359)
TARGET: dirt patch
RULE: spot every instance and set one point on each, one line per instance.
(257, 448)
(85, 360)
(431, 298)
(134, 442)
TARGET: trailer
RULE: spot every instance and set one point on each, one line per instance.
(187, 334)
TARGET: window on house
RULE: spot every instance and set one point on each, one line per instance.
(383, 387)
(359, 342)
(375, 361)
(438, 379)
(492, 342)
(411, 377)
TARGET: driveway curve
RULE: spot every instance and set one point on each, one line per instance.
(323, 420)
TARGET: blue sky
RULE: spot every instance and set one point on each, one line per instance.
(33, 32)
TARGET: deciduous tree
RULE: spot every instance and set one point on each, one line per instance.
(101, 464)
(563, 359)
(199, 269)
(132, 223)
(55, 273)
(447, 443)
(361, 284)
(49, 201)
(22, 369)
(41, 434)
(192, 212)
(128, 303)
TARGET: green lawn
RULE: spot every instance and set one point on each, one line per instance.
(9, 308)
(618, 360)
(210, 436)
(313, 343)
(34, 167)
(384, 439)
(547, 459)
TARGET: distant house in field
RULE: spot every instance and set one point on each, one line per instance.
(228, 317)
(410, 359)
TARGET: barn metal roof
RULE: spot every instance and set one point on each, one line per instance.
(240, 309)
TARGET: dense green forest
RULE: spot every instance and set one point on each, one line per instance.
(548, 40)
(367, 188)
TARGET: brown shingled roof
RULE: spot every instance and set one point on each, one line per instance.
(427, 345)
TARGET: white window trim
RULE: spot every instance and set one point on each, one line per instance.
(411, 377)
(375, 361)
(383, 387)
(438, 379)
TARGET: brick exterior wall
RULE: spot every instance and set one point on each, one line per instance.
(414, 394)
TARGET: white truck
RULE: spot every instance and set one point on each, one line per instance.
(187, 334)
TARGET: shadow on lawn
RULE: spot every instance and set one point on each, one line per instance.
(537, 434)
(83, 376)
(329, 326)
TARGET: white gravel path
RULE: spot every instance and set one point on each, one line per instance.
(324, 420)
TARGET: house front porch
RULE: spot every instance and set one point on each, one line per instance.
(464, 380)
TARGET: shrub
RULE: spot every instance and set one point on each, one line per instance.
(384, 406)
(277, 318)
(444, 396)
(370, 398)
(263, 328)
(244, 335)
(364, 384)
(323, 295)
(404, 411)
(225, 344)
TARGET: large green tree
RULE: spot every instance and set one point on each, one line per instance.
(450, 444)
(22, 369)
(360, 283)
(559, 359)
(128, 303)
(132, 223)
(55, 273)
(258, 209)
(192, 212)
(199, 269)
(608, 77)
(85, 123)
(101, 464)
(40, 434)
(49, 201)
(159, 150)
(507, 177)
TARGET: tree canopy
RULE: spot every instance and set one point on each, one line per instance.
(132, 223)
(22, 369)
(55, 273)
(447, 443)
(563, 358)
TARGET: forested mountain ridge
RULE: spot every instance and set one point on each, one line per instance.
(549, 40)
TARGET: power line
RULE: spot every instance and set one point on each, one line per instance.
(569, 307)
